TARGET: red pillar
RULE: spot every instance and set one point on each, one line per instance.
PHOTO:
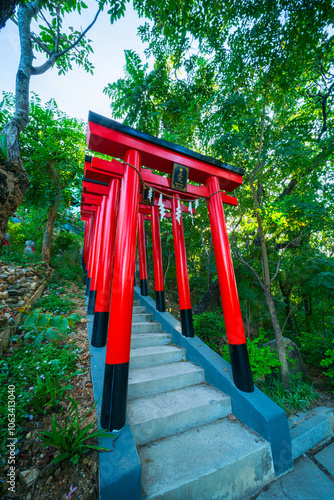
(84, 253)
(157, 261)
(104, 281)
(115, 385)
(97, 252)
(142, 255)
(91, 249)
(228, 290)
(84, 247)
(182, 273)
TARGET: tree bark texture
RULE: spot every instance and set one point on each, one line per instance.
(20, 118)
(14, 183)
(284, 368)
(48, 233)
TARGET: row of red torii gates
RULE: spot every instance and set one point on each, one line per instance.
(117, 196)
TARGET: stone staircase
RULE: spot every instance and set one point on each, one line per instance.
(190, 445)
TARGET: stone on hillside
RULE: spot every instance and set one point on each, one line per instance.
(27, 477)
(295, 361)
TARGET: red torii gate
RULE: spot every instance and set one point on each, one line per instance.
(111, 210)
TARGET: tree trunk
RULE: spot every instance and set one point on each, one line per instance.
(284, 369)
(13, 185)
(13, 177)
(286, 293)
(48, 233)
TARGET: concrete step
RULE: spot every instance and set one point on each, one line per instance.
(138, 310)
(220, 460)
(160, 378)
(155, 355)
(136, 303)
(141, 317)
(145, 327)
(149, 339)
(168, 413)
(310, 428)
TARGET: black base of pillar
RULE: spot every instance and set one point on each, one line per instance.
(160, 301)
(91, 302)
(100, 329)
(114, 397)
(187, 322)
(242, 375)
(88, 285)
(143, 288)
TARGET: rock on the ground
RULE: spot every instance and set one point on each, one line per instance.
(295, 361)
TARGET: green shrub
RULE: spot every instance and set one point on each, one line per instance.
(328, 363)
(64, 241)
(313, 346)
(210, 327)
(261, 359)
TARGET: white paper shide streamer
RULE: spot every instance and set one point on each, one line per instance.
(178, 212)
(162, 209)
(190, 209)
(150, 194)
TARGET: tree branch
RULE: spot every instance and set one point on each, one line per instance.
(294, 307)
(50, 62)
(287, 246)
(240, 259)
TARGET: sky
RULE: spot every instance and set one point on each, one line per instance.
(77, 92)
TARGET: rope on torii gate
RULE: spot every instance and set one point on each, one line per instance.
(157, 190)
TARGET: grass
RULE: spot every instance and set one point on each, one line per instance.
(300, 397)
(53, 303)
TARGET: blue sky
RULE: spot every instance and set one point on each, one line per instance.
(78, 92)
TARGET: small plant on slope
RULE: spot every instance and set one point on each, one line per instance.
(71, 440)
